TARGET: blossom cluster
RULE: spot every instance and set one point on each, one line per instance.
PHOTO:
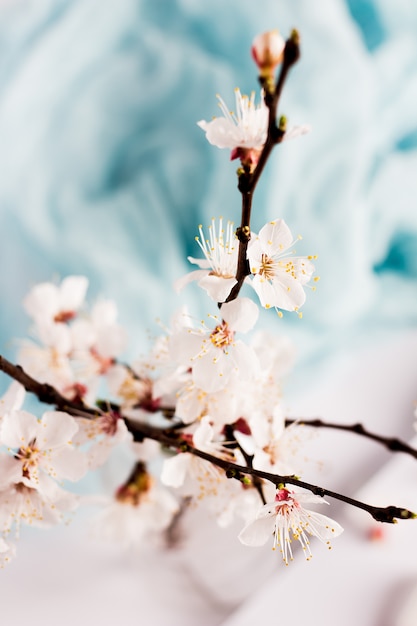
(201, 415)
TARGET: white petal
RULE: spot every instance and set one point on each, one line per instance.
(42, 301)
(18, 429)
(217, 287)
(322, 527)
(10, 471)
(275, 237)
(220, 132)
(186, 345)
(13, 399)
(245, 360)
(174, 470)
(203, 434)
(297, 131)
(240, 314)
(188, 278)
(203, 264)
(104, 313)
(72, 292)
(257, 532)
(68, 463)
(212, 375)
(56, 429)
(57, 336)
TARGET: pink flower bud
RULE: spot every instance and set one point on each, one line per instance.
(267, 51)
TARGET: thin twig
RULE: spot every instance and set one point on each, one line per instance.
(391, 443)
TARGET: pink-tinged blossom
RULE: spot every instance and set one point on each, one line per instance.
(47, 302)
(244, 133)
(98, 339)
(49, 362)
(214, 353)
(134, 390)
(278, 277)
(42, 505)
(287, 520)
(192, 403)
(246, 129)
(267, 51)
(197, 476)
(140, 510)
(40, 446)
(100, 436)
(218, 269)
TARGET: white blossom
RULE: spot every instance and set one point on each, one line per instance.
(98, 339)
(42, 504)
(279, 278)
(47, 302)
(286, 520)
(205, 477)
(40, 446)
(218, 269)
(140, 510)
(49, 362)
(214, 353)
(247, 128)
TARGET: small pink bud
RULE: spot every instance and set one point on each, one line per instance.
(267, 51)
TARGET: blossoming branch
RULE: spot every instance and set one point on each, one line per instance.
(202, 413)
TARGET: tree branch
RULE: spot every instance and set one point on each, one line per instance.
(391, 443)
(172, 439)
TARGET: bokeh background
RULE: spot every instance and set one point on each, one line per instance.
(104, 172)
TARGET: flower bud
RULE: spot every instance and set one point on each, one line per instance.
(267, 51)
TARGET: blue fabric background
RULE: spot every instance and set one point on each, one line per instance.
(104, 172)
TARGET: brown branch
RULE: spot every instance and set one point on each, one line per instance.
(45, 392)
(387, 514)
(248, 179)
(391, 443)
(173, 440)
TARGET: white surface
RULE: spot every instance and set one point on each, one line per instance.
(61, 577)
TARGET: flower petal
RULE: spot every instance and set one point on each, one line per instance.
(56, 429)
(217, 287)
(257, 532)
(18, 429)
(240, 314)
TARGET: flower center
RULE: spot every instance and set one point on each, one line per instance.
(136, 488)
(267, 268)
(64, 316)
(29, 455)
(222, 336)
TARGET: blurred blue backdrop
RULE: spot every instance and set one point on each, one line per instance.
(104, 172)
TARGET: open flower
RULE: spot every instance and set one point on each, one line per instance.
(98, 339)
(40, 446)
(138, 512)
(183, 466)
(241, 132)
(218, 269)
(213, 354)
(47, 302)
(279, 278)
(287, 520)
